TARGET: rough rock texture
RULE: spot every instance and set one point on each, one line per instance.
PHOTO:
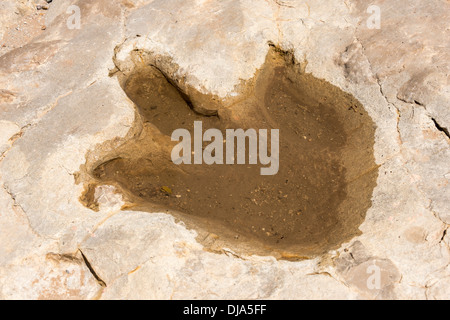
(57, 102)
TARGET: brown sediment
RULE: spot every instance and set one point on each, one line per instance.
(315, 202)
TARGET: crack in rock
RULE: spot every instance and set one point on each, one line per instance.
(91, 269)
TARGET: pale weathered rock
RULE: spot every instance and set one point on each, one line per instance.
(58, 102)
(13, 11)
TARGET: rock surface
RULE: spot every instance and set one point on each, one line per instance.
(58, 101)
